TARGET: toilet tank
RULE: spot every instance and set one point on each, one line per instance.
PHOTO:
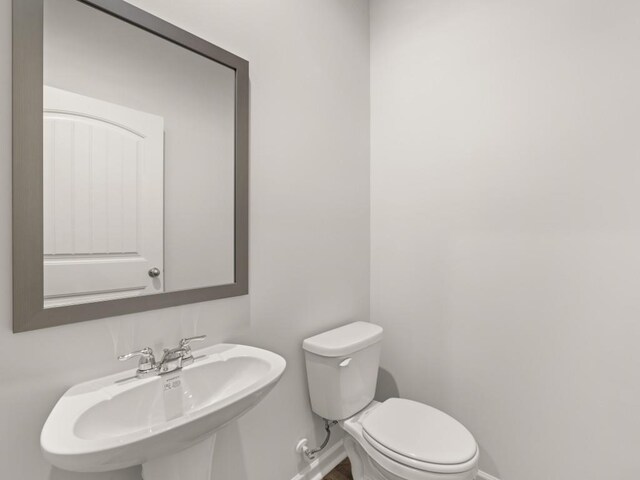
(342, 369)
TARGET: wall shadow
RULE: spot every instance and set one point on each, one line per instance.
(387, 386)
(229, 461)
(487, 464)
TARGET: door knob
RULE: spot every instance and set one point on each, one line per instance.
(154, 272)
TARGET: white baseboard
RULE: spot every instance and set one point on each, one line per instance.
(324, 463)
(485, 476)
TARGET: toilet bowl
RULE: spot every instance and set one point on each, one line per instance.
(373, 460)
(397, 439)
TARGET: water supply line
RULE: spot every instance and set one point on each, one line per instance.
(312, 453)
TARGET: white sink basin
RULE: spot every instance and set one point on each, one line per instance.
(119, 421)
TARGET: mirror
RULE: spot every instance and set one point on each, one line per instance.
(142, 136)
(138, 151)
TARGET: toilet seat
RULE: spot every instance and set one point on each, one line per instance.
(419, 436)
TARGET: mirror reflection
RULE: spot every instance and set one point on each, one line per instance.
(138, 161)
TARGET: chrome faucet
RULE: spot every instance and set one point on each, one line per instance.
(172, 359)
(178, 357)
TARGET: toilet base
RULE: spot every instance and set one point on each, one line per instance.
(362, 467)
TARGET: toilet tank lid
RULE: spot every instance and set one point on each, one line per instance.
(344, 340)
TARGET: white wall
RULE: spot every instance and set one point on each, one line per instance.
(505, 232)
(309, 235)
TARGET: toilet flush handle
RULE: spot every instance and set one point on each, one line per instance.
(345, 362)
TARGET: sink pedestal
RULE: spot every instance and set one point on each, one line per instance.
(194, 463)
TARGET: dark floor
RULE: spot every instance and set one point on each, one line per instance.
(341, 472)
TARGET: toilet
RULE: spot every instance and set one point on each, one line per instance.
(397, 439)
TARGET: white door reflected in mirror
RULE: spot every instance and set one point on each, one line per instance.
(103, 200)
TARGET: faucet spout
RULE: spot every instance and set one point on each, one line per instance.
(172, 359)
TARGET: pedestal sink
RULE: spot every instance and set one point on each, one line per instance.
(165, 423)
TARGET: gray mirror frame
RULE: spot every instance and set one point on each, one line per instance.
(28, 286)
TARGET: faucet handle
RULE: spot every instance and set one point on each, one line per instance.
(186, 341)
(187, 357)
(147, 359)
